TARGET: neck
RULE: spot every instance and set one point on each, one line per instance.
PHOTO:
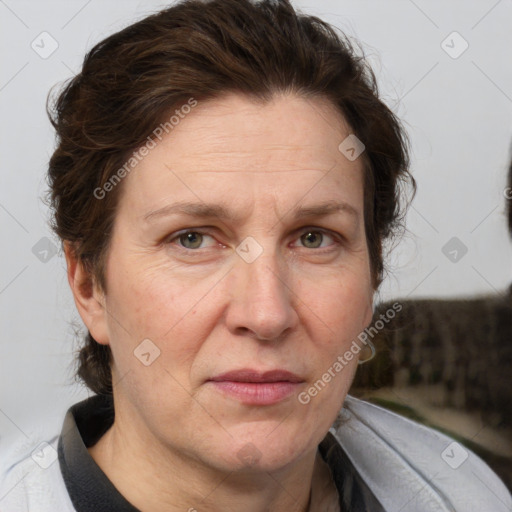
(156, 478)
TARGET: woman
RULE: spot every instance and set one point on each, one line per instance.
(224, 181)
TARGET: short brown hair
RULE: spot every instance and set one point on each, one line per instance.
(132, 80)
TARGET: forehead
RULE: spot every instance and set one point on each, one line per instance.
(243, 150)
(286, 130)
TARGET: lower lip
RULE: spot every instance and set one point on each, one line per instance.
(257, 393)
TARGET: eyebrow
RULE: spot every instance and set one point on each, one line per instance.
(220, 211)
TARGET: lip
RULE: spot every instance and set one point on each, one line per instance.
(253, 387)
(255, 376)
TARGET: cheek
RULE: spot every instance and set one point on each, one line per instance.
(147, 298)
(343, 303)
(346, 310)
(175, 312)
(339, 311)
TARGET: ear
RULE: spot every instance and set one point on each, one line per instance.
(89, 299)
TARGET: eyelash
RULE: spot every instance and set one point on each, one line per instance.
(337, 238)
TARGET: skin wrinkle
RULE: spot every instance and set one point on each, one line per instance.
(327, 210)
(293, 169)
(176, 437)
(250, 172)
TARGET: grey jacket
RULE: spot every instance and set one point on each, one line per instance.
(380, 462)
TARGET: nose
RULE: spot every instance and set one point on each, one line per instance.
(262, 298)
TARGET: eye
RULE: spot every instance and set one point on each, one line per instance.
(313, 238)
(193, 240)
(190, 239)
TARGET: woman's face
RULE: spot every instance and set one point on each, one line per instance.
(238, 246)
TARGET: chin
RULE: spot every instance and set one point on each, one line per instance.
(262, 452)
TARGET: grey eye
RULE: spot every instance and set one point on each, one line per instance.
(191, 240)
(312, 239)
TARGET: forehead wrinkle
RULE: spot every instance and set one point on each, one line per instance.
(249, 171)
(223, 146)
(260, 156)
(222, 210)
(196, 169)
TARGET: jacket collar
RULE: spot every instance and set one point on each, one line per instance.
(411, 467)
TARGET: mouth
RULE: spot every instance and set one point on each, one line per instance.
(252, 387)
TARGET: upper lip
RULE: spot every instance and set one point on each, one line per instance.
(250, 375)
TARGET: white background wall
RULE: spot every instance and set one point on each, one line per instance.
(457, 112)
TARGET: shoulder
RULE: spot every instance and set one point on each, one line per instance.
(426, 470)
(33, 481)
